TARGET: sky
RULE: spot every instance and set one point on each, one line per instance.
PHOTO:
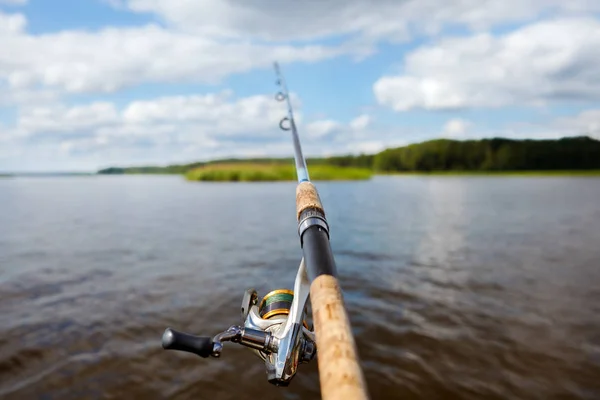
(87, 84)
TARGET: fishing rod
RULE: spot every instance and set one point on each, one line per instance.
(275, 328)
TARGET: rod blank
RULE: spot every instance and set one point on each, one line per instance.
(340, 374)
(284, 95)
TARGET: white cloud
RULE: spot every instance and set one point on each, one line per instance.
(367, 147)
(65, 120)
(586, 123)
(380, 19)
(204, 126)
(4, 134)
(212, 115)
(456, 128)
(27, 96)
(345, 135)
(537, 64)
(114, 58)
(208, 40)
(195, 127)
(351, 132)
(360, 122)
(319, 129)
(11, 24)
(328, 137)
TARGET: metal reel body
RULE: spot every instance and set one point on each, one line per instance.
(294, 342)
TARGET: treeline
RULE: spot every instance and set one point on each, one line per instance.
(492, 155)
(496, 154)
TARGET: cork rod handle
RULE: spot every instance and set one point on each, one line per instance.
(339, 370)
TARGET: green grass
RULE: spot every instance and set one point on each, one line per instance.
(265, 172)
(589, 172)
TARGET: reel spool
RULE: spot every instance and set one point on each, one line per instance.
(277, 303)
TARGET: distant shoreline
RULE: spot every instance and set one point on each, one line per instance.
(524, 173)
(45, 174)
(339, 174)
(571, 156)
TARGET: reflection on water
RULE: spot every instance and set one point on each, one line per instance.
(463, 288)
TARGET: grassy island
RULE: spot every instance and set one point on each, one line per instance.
(263, 172)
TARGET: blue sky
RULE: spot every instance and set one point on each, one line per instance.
(92, 83)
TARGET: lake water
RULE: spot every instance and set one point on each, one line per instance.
(457, 287)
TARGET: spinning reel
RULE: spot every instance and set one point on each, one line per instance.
(274, 329)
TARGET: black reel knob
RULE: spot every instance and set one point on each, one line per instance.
(174, 340)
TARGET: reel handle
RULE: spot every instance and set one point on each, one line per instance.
(199, 345)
